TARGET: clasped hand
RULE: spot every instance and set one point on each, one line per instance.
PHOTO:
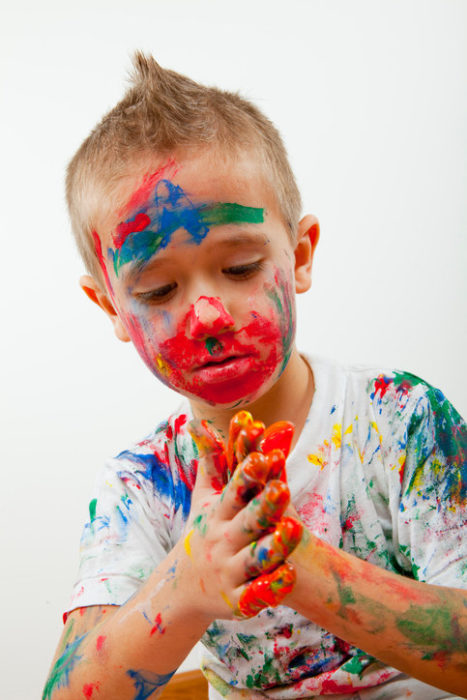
(238, 536)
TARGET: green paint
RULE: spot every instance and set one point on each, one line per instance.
(212, 344)
(200, 524)
(230, 213)
(175, 213)
(265, 677)
(357, 664)
(92, 509)
(433, 627)
(59, 675)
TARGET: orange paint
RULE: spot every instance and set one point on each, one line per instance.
(268, 590)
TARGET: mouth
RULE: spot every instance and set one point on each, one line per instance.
(221, 362)
(223, 369)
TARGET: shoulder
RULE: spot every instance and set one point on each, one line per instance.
(162, 464)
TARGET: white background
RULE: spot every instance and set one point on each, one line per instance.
(371, 99)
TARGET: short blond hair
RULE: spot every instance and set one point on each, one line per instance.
(163, 112)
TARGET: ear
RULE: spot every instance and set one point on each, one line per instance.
(307, 240)
(93, 291)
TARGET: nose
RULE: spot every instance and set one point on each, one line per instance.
(208, 317)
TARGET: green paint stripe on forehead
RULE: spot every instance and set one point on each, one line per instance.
(231, 213)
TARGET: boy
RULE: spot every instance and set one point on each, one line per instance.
(188, 218)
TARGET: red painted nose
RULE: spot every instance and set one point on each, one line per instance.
(208, 317)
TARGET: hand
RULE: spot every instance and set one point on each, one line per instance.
(237, 539)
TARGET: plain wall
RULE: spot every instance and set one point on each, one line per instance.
(370, 98)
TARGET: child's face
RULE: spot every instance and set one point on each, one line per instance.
(201, 271)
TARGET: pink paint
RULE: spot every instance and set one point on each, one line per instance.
(139, 223)
(157, 626)
(100, 641)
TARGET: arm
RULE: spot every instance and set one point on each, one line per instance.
(418, 628)
(132, 651)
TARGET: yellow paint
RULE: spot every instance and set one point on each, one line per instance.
(162, 365)
(337, 435)
(187, 545)
(226, 600)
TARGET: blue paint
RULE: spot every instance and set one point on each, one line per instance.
(147, 682)
(171, 210)
(159, 474)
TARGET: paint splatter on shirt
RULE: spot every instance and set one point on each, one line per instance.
(379, 470)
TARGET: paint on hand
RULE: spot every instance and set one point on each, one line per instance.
(268, 590)
(210, 446)
(269, 552)
(147, 682)
(244, 436)
(278, 436)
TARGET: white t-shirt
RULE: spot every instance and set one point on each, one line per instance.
(378, 470)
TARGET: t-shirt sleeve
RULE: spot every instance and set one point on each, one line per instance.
(126, 536)
(432, 516)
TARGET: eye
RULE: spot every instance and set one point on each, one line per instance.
(158, 295)
(243, 271)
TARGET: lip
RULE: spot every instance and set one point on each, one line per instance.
(223, 369)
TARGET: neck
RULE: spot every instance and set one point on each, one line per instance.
(288, 399)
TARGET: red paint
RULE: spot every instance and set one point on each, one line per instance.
(157, 626)
(101, 259)
(244, 437)
(208, 314)
(100, 642)
(267, 591)
(141, 195)
(278, 436)
(382, 384)
(139, 223)
(188, 362)
(276, 465)
(287, 535)
(210, 445)
(89, 688)
(250, 356)
(401, 471)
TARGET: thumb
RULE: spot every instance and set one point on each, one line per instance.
(212, 466)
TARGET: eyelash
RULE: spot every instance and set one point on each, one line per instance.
(244, 271)
(157, 295)
(238, 272)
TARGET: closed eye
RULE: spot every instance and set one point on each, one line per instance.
(157, 295)
(243, 271)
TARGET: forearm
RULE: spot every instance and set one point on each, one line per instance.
(418, 628)
(136, 648)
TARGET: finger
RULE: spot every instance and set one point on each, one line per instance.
(266, 554)
(248, 480)
(278, 436)
(244, 435)
(268, 590)
(212, 466)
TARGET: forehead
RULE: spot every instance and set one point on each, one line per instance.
(192, 194)
(203, 175)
